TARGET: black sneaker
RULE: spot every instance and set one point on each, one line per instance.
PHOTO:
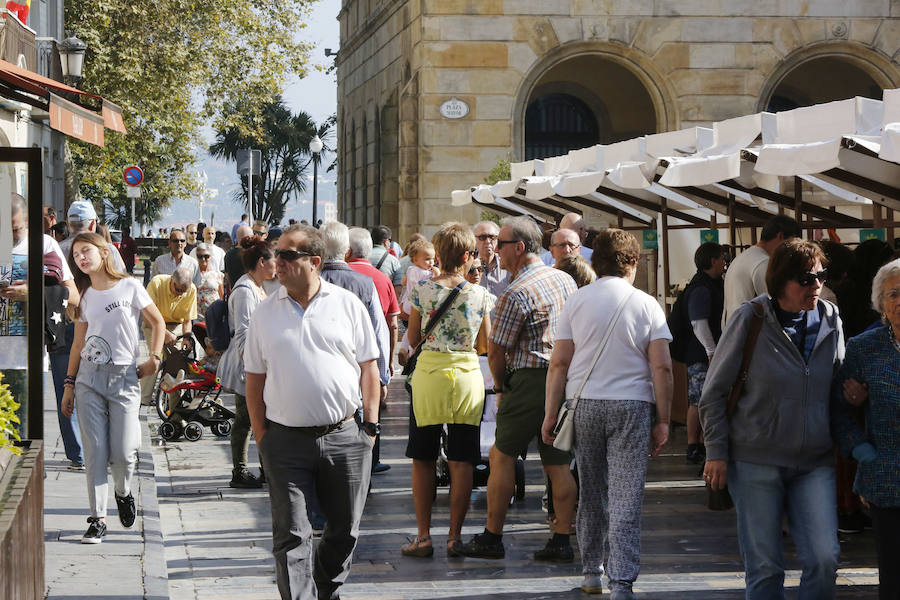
(852, 523)
(555, 553)
(95, 532)
(479, 548)
(695, 455)
(245, 480)
(127, 512)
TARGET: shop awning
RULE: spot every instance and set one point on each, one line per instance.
(79, 118)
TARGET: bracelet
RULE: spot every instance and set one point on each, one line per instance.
(69, 380)
(156, 355)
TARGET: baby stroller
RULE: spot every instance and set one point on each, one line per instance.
(488, 433)
(187, 397)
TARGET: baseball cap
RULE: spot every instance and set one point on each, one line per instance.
(82, 210)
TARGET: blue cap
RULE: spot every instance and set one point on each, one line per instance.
(82, 210)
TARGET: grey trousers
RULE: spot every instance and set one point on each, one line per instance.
(335, 466)
(107, 398)
(612, 442)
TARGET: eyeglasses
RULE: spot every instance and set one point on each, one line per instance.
(566, 244)
(179, 290)
(192, 233)
(290, 255)
(807, 279)
(178, 241)
(485, 237)
(255, 232)
(202, 256)
(478, 269)
(501, 243)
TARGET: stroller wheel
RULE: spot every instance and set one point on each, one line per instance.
(221, 428)
(169, 431)
(193, 431)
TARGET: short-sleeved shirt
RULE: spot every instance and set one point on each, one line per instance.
(208, 292)
(526, 314)
(386, 293)
(166, 265)
(390, 266)
(310, 357)
(745, 280)
(458, 327)
(112, 322)
(174, 309)
(623, 371)
(495, 279)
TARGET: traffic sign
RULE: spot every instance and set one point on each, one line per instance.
(133, 191)
(133, 175)
(248, 160)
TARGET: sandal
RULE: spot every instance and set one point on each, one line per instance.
(417, 548)
(454, 546)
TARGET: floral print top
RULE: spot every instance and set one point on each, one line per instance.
(458, 327)
(208, 292)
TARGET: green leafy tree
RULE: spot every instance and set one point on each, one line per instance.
(9, 431)
(285, 158)
(174, 65)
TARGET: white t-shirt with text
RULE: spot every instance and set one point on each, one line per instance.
(112, 318)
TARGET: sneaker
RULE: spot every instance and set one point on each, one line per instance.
(76, 466)
(853, 523)
(479, 548)
(245, 480)
(127, 512)
(592, 584)
(555, 553)
(95, 532)
(381, 468)
(695, 455)
(622, 593)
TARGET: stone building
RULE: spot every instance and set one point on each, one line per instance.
(541, 77)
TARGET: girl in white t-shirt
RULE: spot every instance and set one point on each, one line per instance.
(103, 375)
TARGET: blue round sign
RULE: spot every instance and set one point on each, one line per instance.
(134, 176)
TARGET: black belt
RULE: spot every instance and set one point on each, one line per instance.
(315, 430)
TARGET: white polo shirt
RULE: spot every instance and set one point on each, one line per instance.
(310, 357)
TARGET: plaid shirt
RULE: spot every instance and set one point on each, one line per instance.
(526, 314)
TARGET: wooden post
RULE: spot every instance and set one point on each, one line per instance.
(621, 219)
(798, 205)
(889, 225)
(732, 229)
(664, 211)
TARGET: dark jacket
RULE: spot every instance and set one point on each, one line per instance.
(695, 352)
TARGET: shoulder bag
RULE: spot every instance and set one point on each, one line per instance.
(721, 499)
(410, 365)
(565, 426)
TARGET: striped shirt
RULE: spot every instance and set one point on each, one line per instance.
(525, 316)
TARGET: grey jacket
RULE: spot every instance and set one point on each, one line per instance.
(782, 417)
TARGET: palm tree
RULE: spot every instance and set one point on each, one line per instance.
(285, 157)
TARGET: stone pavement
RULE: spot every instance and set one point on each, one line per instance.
(218, 540)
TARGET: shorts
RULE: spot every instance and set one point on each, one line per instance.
(696, 378)
(463, 441)
(520, 417)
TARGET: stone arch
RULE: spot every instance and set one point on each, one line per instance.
(853, 70)
(629, 65)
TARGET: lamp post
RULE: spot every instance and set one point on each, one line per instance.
(315, 146)
(71, 55)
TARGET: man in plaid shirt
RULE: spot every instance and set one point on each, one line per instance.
(523, 321)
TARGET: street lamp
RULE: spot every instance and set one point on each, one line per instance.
(71, 54)
(315, 146)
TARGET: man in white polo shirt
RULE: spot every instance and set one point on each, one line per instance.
(310, 359)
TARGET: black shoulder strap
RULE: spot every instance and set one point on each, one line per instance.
(440, 313)
(381, 262)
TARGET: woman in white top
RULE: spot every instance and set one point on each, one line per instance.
(613, 419)
(212, 280)
(259, 263)
(103, 376)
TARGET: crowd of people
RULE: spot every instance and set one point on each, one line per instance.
(782, 408)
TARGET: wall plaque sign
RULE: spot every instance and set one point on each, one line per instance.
(454, 109)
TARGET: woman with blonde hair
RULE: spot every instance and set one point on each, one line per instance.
(447, 386)
(103, 375)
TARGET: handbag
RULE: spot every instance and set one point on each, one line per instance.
(721, 499)
(410, 365)
(565, 420)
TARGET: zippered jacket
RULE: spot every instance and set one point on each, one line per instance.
(782, 417)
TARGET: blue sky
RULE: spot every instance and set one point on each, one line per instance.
(316, 94)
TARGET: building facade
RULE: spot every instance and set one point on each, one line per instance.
(520, 79)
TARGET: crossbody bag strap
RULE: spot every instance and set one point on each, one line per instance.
(381, 262)
(737, 389)
(603, 343)
(432, 323)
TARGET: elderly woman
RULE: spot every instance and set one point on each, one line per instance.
(872, 360)
(212, 280)
(447, 386)
(775, 450)
(613, 431)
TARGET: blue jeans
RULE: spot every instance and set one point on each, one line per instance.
(762, 493)
(68, 427)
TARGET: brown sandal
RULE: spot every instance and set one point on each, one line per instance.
(418, 549)
(454, 546)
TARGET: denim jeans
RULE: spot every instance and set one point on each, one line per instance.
(762, 493)
(68, 427)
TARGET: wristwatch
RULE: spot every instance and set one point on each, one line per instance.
(371, 428)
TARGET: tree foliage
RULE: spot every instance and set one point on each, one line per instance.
(286, 161)
(173, 65)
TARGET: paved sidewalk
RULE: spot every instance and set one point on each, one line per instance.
(129, 563)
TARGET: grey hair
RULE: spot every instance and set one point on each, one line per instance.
(182, 276)
(337, 240)
(76, 226)
(525, 230)
(360, 243)
(490, 223)
(202, 246)
(888, 270)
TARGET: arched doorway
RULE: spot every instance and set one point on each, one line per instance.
(584, 99)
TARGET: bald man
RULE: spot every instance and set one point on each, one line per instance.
(563, 242)
(573, 222)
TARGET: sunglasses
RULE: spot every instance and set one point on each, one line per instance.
(808, 279)
(501, 243)
(478, 269)
(202, 256)
(290, 255)
(178, 241)
(486, 236)
(259, 232)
